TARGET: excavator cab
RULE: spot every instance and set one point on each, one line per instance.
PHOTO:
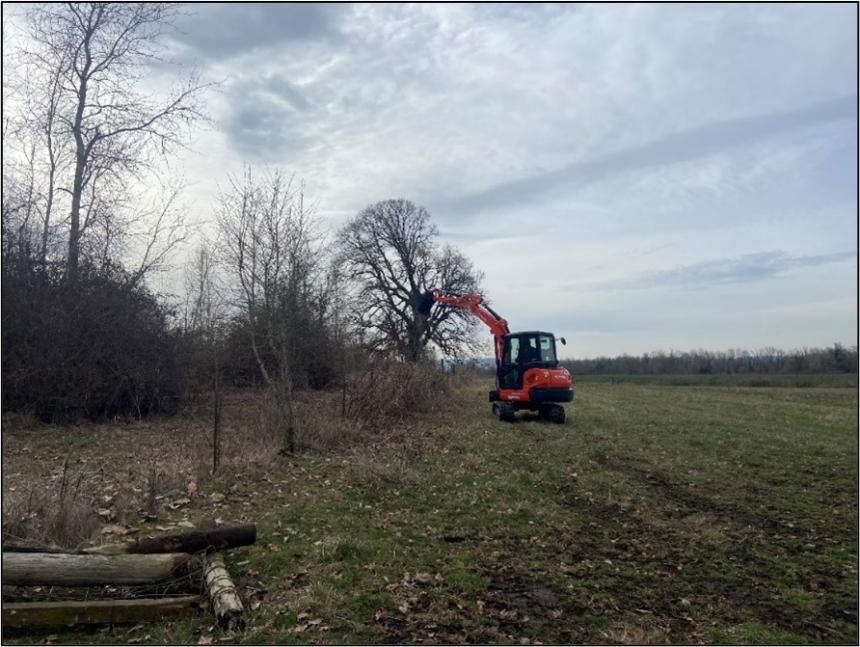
(525, 350)
(529, 377)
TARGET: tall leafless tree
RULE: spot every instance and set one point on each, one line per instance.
(391, 251)
(93, 57)
(268, 245)
(204, 333)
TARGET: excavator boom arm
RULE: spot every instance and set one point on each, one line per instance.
(475, 304)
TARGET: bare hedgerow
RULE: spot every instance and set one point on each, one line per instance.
(386, 393)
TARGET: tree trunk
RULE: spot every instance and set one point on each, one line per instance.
(284, 396)
(216, 417)
(225, 601)
(280, 388)
(75, 218)
(49, 199)
(46, 226)
(80, 165)
(35, 569)
(415, 333)
(30, 614)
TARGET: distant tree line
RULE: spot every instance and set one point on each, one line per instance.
(834, 359)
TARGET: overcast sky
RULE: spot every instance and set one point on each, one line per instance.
(634, 177)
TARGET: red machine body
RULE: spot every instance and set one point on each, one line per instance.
(527, 372)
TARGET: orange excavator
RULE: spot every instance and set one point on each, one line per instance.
(528, 376)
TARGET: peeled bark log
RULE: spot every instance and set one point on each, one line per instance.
(29, 569)
(225, 601)
(196, 541)
(25, 547)
(31, 614)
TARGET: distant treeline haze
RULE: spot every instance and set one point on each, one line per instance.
(834, 359)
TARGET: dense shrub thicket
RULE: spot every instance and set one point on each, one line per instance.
(101, 348)
(385, 393)
(95, 348)
(314, 354)
(317, 360)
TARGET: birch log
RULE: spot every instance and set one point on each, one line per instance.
(33, 569)
(225, 601)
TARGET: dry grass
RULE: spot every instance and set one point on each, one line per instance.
(68, 485)
(83, 484)
(56, 515)
(375, 469)
(64, 485)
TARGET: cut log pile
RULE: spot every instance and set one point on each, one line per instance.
(195, 556)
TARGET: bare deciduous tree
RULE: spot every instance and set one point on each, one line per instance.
(204, 307)
(267, 244)
(204, 332)
(93, 57)
(46, 151)
(32, 158)
(390, 250)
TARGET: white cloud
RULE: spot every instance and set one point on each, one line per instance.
(697, 128)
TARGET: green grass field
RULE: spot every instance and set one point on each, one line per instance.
(657, 513)
(799, 380)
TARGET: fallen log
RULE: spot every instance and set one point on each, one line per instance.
(226, 603)
(31, 614)
(28, 569)
(26, 547)
(196, 541)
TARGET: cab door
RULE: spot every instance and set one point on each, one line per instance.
(509, 374)
(522, 352)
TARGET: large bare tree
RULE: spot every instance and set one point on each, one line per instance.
(90, 59)
(390, 249)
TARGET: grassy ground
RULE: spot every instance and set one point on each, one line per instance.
(657, 513)
(800, 380)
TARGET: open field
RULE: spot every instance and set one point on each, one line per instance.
(657, 513)
(799, 380)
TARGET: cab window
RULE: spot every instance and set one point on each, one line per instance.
(513, 350)
(547, 349)
(529, 351)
